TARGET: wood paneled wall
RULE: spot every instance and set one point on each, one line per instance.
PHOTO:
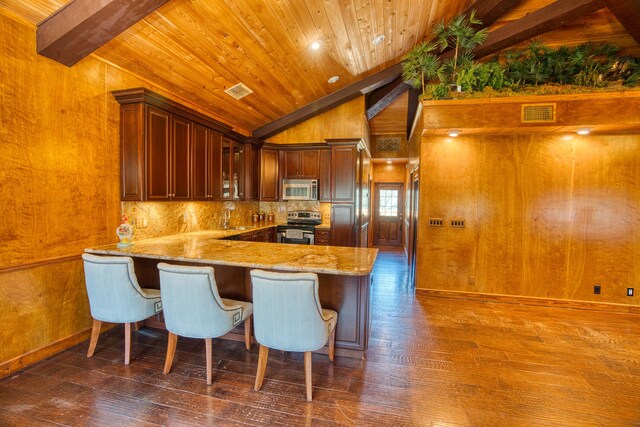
(346, 121)
(546, 215)
(60, 188)
(383, 172)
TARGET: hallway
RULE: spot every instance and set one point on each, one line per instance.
(431, 361)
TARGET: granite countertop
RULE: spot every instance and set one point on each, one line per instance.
(206, 247)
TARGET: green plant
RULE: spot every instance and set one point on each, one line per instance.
(439, 91)
(490, 74)
(420, 66)
(462, 35)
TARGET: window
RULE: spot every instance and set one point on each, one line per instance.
(388, 203)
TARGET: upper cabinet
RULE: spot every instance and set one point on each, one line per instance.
(324, 176)
(343, 173)
(251, 172)
(170, 152)
(269, 174)
(168, 163)
(231, 174)
(301, 164)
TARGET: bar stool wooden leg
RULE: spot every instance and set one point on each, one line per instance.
(332, 344)
(247, 333)
(262, 366)
(171, 351)
(207, 342)
(307, 374)
(95, 333)
(127, 343)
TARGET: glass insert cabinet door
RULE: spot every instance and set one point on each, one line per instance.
(238, 170)
(232, 170)
(226, 168)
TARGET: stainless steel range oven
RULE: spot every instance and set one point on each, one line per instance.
(300, 227)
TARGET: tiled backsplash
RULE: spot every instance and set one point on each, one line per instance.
(154, 219)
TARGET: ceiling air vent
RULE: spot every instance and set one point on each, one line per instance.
(239, 91)
(538, 113)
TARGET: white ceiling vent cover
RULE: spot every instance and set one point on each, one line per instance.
(238, 91)
(538, 113)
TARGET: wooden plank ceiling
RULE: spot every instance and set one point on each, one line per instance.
(195, 49)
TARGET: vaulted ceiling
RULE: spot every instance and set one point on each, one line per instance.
(195, 49)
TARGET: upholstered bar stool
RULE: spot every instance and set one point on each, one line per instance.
(193, 308)
(288, 317)
(116, 297)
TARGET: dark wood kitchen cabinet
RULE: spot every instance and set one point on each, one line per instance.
(230, 176)
(251, 172)
(322, 237)
(301, 164)
(349, 166)
(205, 164)
(168, 156)
(168, 151)
(343, 173)
(324, 176)
(269, 175)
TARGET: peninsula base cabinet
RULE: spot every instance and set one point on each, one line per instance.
(349, 295)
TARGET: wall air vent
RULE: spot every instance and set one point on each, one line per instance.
(436, 222)
(388, 144)
(538, 113)
(238, 91)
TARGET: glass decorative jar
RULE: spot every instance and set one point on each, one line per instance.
(125, 233)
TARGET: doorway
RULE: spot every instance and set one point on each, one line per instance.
(388, 216)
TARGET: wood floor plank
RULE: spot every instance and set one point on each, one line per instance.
(432, 361)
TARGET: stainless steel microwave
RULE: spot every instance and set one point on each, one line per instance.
(300, 189)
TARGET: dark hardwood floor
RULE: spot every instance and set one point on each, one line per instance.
(432, 361)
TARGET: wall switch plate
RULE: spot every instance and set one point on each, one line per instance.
(436, 222)
(629, 292)
(458, 223)
(596, 289)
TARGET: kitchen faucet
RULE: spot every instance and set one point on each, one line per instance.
(226, 218)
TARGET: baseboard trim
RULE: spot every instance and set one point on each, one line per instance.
(535, 301)
(20, 362)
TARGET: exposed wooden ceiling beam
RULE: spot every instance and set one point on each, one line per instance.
(489, 11)
(628, 13)
(541, 21)
(82, 26)
(328, 102)
(380, 98)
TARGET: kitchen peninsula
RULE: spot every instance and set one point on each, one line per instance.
(344, 272)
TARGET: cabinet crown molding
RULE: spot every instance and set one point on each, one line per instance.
(141, 94)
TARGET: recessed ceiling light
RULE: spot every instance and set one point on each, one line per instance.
(378, 39)
(584, 131)
(315, 45)
(454, 132)
(333, 79)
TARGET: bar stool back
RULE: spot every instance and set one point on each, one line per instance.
(193, 308)
(116, 297)
(288, 316)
